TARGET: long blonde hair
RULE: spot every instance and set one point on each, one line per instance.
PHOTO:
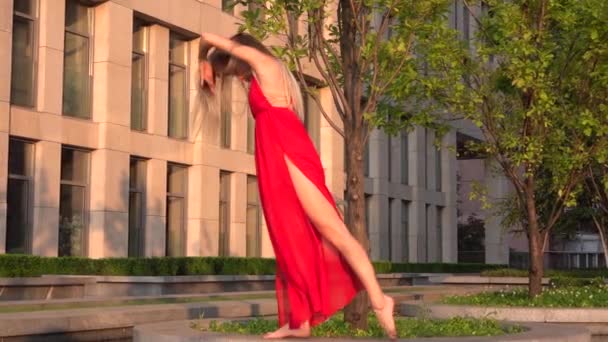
(225, 65)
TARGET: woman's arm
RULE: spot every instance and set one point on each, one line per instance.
(250, 55)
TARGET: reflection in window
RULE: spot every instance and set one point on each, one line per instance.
(72, 201)
(19, 190)
(254, 218)
(76, 61)
(139, 76)
(137, 186)
(177, 176)
(23, 52)
(178, 87)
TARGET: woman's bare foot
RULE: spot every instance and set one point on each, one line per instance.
(284, 331)
(385, 317)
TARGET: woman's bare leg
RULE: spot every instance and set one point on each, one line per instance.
(330, 225)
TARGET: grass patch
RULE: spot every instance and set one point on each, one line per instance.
(589, 296)
(406, 327)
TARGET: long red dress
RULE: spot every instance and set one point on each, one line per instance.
(313, 281)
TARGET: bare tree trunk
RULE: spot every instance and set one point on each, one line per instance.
(356, 312)
(535, 242)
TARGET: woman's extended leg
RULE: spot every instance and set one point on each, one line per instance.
(330, 225)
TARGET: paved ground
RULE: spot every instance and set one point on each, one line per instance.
(71, 316)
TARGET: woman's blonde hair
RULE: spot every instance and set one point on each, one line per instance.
(225, 65)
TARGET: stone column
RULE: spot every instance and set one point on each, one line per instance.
(417, 177)
(432, 252)
(449, 224)
(496, 242)
(158, 80)
(156, 210)
(108, 224)
(238, 215)
(396, 237)
(6, 24)
(50, 56)
(47, 175)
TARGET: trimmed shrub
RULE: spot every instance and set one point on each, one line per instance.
(14, 265)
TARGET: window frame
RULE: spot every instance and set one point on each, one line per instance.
(184, 221)
(405, 158)
(226, 114)
(176, 36)
(90, 42)
(257, 249)
(143, 54)
(35, 41)
(86, 196)
(140, 188)
(224, 240)
(29, 179)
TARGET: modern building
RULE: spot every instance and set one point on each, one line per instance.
(104, 147)
(106, 150)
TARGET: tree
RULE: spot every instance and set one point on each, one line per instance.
(377, 60)
(536, 84)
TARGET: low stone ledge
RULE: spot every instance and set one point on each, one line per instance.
(480, 280)
(182, 331)
(65, 321)
(514, 314)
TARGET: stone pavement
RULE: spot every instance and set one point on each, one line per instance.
(127, 316)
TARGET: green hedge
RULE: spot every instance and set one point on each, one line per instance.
(584, 273)
(13, 265)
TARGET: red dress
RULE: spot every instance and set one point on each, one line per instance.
(313, 281)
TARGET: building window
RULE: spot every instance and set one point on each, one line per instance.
(466, 24)
(224, 236)
(177, 176)
(137, 186)
(366, 159)
(254, 218)
(439, 238)
(368, 212)
(426, 158)
(23, 53)
(178, 87)
(250, 134)
(228, 6)
(405, 230)
(312, 120)
(389, 157)
(404, 158)
(226, 113)
(77, 70)
(389, 240)
(139, 76)
(438, 169)
(75, 165)
(19, 196)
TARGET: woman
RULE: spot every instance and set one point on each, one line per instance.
(320, 266)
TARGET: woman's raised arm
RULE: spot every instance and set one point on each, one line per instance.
(248, 54)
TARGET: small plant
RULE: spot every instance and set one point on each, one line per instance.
(406, 327)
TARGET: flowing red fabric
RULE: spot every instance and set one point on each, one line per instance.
(313, 280)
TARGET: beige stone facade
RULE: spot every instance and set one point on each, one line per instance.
(105, 150)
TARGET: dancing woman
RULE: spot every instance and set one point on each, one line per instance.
(320, 266)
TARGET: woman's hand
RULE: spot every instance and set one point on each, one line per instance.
(207, 77)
